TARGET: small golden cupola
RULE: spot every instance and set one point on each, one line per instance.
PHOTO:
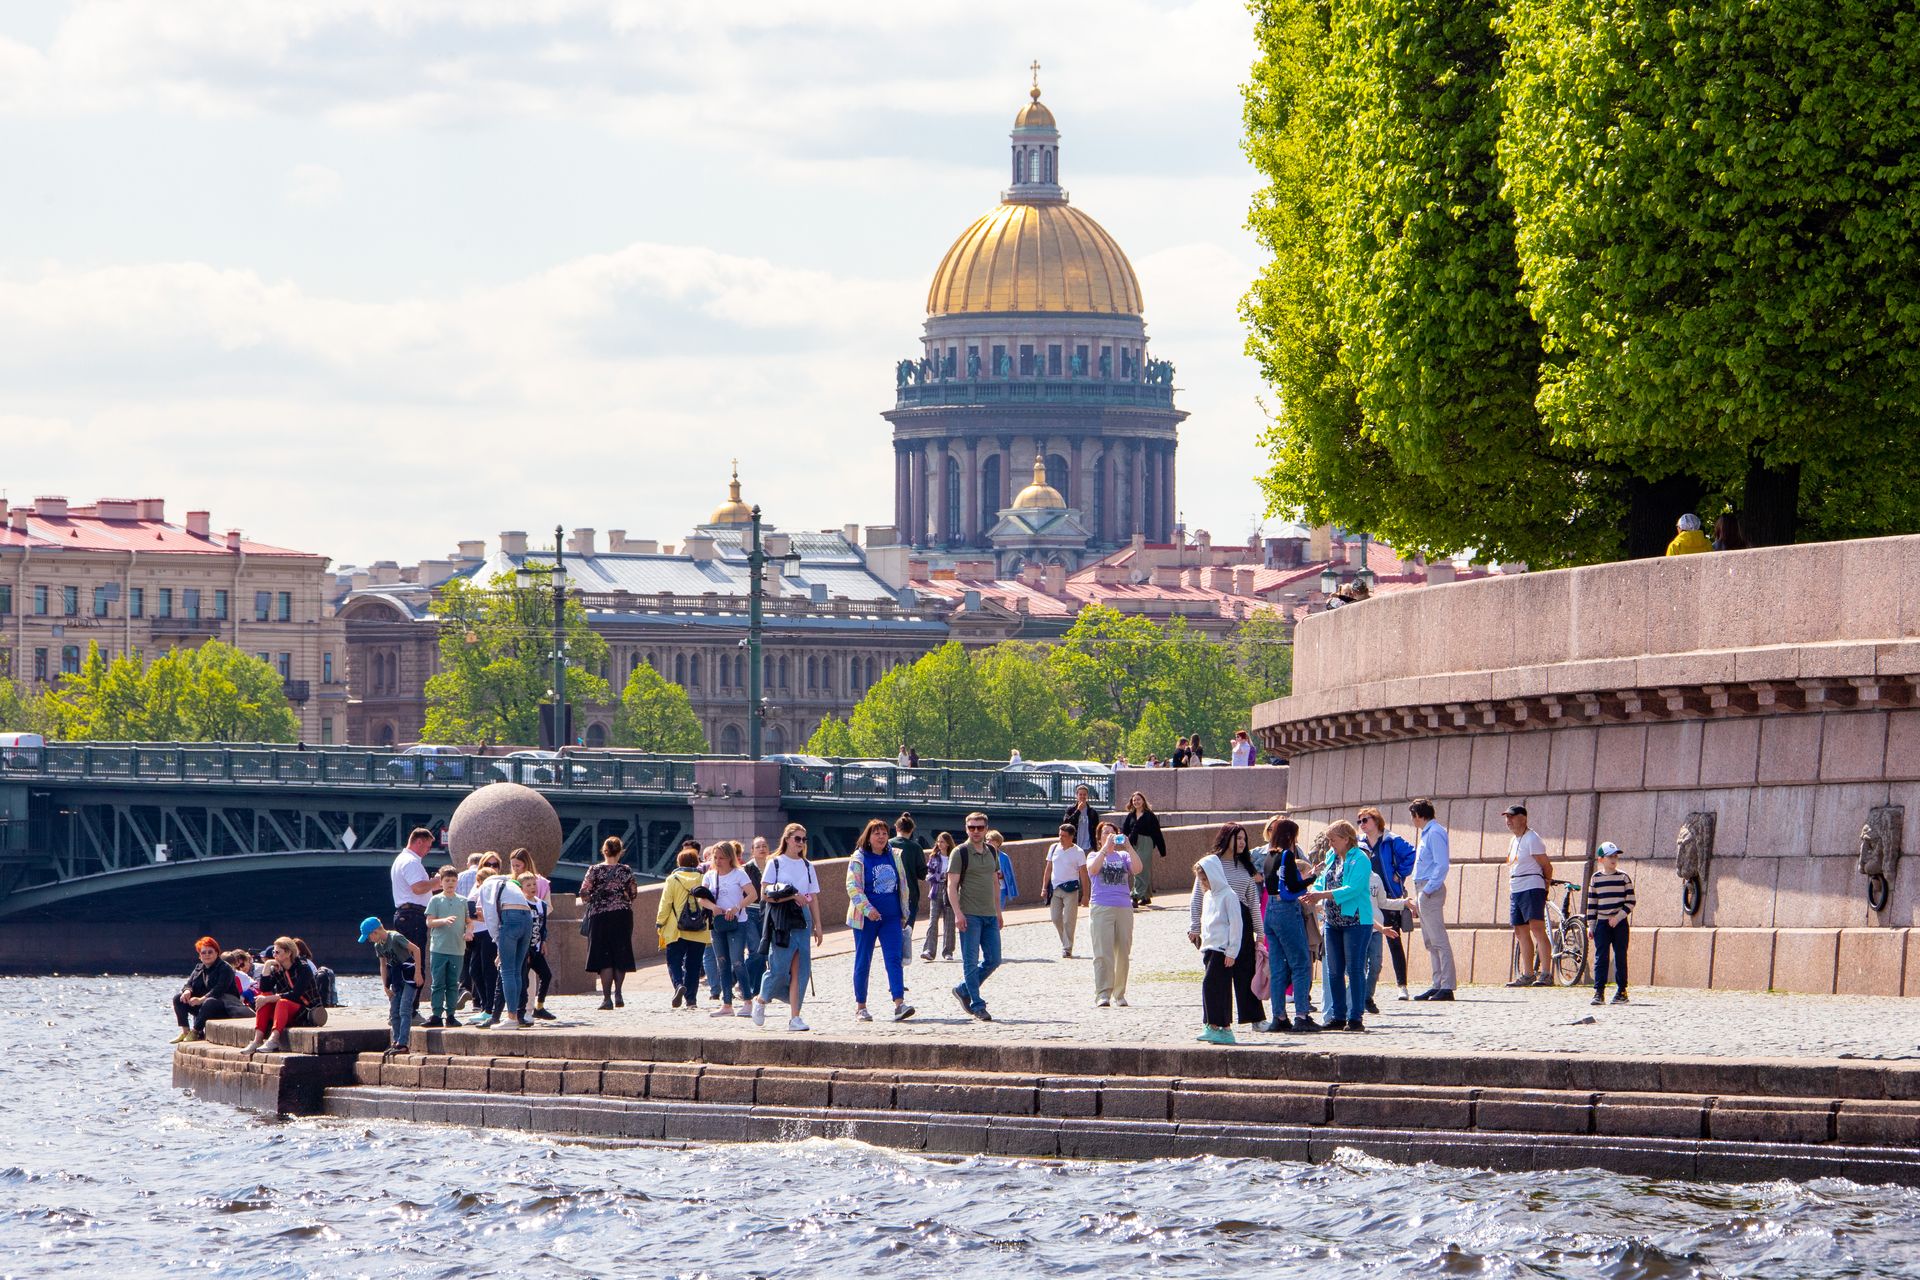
(1039, 495)
(733, 511)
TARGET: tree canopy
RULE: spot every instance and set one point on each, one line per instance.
(210, 693)
(496, 662)
(655, 714)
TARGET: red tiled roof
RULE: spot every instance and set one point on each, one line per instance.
(83, 529)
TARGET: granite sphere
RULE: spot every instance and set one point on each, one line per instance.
(501, 817)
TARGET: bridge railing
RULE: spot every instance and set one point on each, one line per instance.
(1026, 791)
(339, 766)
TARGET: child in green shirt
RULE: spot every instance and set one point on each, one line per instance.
(447, 944)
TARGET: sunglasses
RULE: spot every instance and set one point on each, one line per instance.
(978, 828)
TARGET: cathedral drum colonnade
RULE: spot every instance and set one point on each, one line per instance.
(1035, 349)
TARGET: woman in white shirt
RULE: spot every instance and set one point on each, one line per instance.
(793, 933)
(1066, 873)
(733, 893)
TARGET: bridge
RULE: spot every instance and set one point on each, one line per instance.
(119, 822)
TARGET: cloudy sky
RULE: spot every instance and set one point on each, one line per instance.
(366, 277)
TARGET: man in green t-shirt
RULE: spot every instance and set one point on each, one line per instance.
(973, 886)
(446, 945)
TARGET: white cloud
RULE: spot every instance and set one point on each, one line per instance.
(313, 184)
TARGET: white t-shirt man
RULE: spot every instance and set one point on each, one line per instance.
(1523, 872)
(1064, 863)
(407, 871)
(1242, 751)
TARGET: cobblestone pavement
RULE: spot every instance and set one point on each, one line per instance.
(1038, 995)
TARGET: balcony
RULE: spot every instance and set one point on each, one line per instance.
(1081, 391)
(180, 627)
(297, 691)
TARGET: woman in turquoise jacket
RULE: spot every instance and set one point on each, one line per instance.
(1346, 886)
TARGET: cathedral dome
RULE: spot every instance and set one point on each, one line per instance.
(1039, 495)
(1035, 114)
(1034, 257)
(733, 511)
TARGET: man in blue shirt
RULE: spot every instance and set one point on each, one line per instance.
(1428, 881)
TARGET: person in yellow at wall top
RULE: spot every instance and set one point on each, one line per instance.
(1689, 540)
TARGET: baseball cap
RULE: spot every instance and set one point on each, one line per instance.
(1607, 850)
(368, 925)
(1515, 810)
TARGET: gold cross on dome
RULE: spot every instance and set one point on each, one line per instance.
(1035, 68)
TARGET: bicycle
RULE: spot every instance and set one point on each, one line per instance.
(1567, 934)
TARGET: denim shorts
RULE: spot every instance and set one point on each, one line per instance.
(1529, 905)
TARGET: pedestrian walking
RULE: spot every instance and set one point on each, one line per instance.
(756, 966)
(411, 889)
(1429, 881)
(607, 892)
(1289, 963)
(1141, 826)
(400, 967)
(537, 966)
(973, 886)
(1114, 870)
(509, 918)
(446, 947)
(733, 895)
(1009, 887)
(1393, 861)
(684, 920)
(913, 857)
(1345, 888)
(939, 905)
(1609, 908)
(1082, 817)
(1066, 872)
(793, 927)
(1528, 870)
(877, 904)
(1237, 869)
(1220, 938)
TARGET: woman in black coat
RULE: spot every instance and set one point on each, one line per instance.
(212, 991)
(1141, 827)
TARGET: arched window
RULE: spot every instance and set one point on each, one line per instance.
(1018, 155)
(680, 669)
(951, 533)
(740, 672)
(826, 674)
(776, 740)
(1033, 165)
(766, 672)
(633, 663)
(730, 743)
(813, 673)
(596, 734)
(1048, 164)
(387, 735)
(693, 672)
(873, 671)
(990, 499)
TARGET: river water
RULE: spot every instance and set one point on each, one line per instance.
(105, 1170)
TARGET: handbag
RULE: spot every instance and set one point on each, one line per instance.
(1262, 976)
(586, 926)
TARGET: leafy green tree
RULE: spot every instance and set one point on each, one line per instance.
(1022, 703)
(1108, 663)
(212, 693)
(1202, 690)
(1102, 740)
(496, 663)
(230, 696)
(1263, 646)
(1715, 203)
(834, 737)
(1154, 735)
(947, 689)
(23, 712)
(887, 715)
(655, 714)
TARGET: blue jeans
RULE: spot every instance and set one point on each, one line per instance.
(516, 932)
(727, 958)
(889, 933)
(1288, 960)
(400, 1009)
(1347, 971)
(710, 967)
(756, 950)
(785, 964)
(979, 957)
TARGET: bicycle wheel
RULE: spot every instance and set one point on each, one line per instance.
(1570, 960)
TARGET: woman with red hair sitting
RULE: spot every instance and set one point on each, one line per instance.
(212, 991)
(287, 989)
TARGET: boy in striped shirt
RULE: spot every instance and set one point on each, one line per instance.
(1609, 904)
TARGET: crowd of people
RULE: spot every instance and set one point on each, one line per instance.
(742, 922)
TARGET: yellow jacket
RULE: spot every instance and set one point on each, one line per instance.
(1689, 542)
(673, 895)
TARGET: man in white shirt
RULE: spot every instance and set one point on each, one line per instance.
(1242, 747)
(411, 889)
(1066, 876)
(1428, 881)
(1528, 870)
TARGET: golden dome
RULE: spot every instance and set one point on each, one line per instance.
(732, 511)
(1034, 257)
(1039, 494)
(1035, 114)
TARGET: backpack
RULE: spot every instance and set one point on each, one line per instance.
(694, 918)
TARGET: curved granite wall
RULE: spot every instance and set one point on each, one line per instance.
(1774, 689)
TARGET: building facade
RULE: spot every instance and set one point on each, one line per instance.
(118, 574)
(1035, 347)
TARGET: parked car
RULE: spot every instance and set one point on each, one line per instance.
(1025, 781)
(434, 763)
(809, 773)
(869, 777)
(22, 750)
(534, 766)
(1096, 777)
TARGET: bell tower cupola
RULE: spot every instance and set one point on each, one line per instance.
(1036, 153)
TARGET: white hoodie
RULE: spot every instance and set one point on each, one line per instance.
(1220, 912)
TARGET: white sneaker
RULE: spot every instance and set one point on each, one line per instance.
(1121, 1001)
(1404, 994)
(797, 1023)
(254, 1045)
(861, 1015)
(722, 1012)
(1102, 1003)
(759, 1014)
(745, 1010)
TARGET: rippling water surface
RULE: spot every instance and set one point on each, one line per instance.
(106, 1171)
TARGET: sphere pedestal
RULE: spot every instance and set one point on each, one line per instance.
(501, 817)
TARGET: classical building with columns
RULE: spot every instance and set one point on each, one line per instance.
(1034, 349)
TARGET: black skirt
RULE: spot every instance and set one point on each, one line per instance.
(610, 946)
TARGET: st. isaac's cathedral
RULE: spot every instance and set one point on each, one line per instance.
(1034, 427)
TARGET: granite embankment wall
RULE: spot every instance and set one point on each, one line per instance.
(1773, 689)
(567, 950)
(1707, 1117)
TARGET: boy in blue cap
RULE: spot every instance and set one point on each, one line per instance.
(400, 965)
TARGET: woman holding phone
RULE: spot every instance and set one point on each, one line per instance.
(1111, 871)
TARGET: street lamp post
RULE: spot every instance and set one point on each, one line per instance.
(757, 561)
(554, 737)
